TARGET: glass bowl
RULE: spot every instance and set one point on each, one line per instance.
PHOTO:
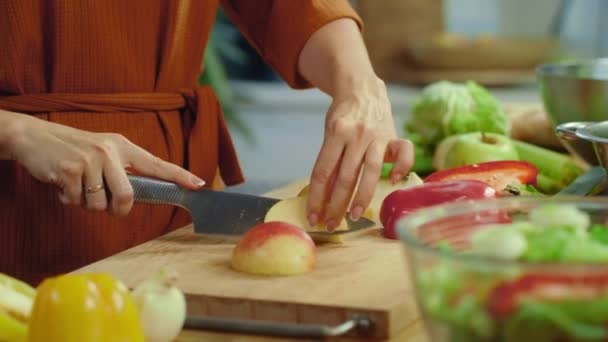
(472, 296)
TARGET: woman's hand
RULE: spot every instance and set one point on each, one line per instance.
(359, 129)
(76, 161)
(359, 137)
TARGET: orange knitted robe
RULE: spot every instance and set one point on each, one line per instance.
(129, 67)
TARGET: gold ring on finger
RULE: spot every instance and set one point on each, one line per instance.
(94, 189)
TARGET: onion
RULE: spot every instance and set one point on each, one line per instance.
(161, 305)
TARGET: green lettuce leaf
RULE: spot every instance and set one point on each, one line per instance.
(547, 321)
(481, 113)
(446, 108)
(548, 244)
(599, 233)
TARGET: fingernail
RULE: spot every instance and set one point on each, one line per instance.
(330, 224)
(355, 214)
(396, 177)
(313, 219)
(197, 181)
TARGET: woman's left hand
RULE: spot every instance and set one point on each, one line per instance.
(360, 136)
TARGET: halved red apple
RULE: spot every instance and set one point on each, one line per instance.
(274, 249)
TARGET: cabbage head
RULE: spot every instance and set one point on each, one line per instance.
(445, 108)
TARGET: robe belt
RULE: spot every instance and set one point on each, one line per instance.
(208, 143)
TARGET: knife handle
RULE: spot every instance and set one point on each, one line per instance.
(359, 324)
(154, 191)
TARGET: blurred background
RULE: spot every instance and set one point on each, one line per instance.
(498, 43)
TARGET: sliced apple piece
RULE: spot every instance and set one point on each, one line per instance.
(274, 249)
(321, 238)
(304, 191)
(324, 238)
(383, 188)
(293, 211)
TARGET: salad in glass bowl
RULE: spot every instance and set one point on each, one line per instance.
(511, 269)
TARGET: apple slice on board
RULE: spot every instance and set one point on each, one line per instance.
(383, 189)
(274, 249)
(293, 210)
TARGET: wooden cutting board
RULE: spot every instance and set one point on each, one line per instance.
(367, 274)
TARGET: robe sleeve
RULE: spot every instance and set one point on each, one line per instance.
(279, 29)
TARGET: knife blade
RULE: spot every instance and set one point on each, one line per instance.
(217, 212)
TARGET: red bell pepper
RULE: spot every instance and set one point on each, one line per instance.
(403, 202)
(457, 230)
(498, 174)
(504, 298)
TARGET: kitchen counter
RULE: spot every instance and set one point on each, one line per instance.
(184, 251)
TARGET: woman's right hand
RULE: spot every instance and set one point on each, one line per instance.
(75, 160)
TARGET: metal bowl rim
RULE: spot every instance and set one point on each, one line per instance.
(557, 69)
(584, 133)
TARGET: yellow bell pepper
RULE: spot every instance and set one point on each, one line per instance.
(84, 307)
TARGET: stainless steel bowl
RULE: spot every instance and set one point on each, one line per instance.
(579, 135)
(575, 94)
(576, 146)
(575, 91)
(597, 135)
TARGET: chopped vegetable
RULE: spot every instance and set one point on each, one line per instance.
(548, 321)
(599, 233)
(499, 242)
(585, 250)
(547, 245)
(498, 174)
(552, 215)
(505, 298)
(478, 302)
(450, 295)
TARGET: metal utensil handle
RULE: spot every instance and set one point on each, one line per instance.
(568, 130)
(360, 323)
(150, 190)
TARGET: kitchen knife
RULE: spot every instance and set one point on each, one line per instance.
(218, 212)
